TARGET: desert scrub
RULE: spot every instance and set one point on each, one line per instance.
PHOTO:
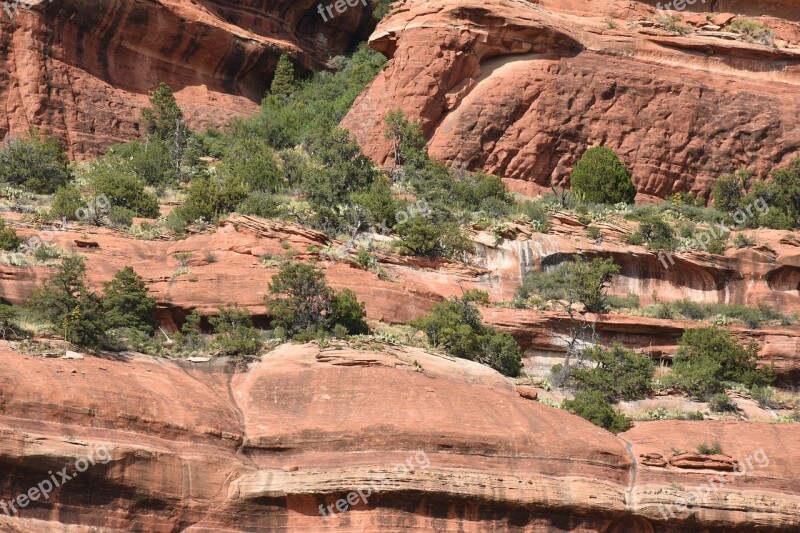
(752, 31)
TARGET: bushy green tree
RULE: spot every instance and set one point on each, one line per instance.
(252, 161)
(67, 201)
(282, 84)
(408, 139)
(127, 302)
(163, 123)
(122, 188)
(36, 163)
(151, 162)
(592, 406)
(164, 119)
(579, 281)
(66, 302)
(483, 192)
(378, 203)
(209, 198)
(347, 311)
(456, 326)
(344, 170)
(235, 334)
(301, 302)
(617, 373)
(601, 178)
(657, 234)
(9, 240)
(425, 237)
(727, 191)
(709, 357)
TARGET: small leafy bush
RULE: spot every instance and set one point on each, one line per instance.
(721, 403)
(715, 448)
(235, 334)
(9, 240)
(456, 326)
(709, 357)
(36, 163)
(601, 178)
(592, 406)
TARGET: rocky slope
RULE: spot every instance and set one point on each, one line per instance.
(235, 263)
(521, 89)
(196, 448)
(83, 70)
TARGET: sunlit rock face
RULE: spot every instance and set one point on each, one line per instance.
(522, 89)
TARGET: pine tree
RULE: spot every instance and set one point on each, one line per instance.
(127, 303)
(164, 123)
(283, 79)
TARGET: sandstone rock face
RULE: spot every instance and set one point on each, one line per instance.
(83, 70)
(199, 448)
(522, 89)
(236, 261)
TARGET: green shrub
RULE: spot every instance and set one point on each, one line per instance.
(752, 31)
(151, 162)
(66, 302)
(657, 234)
(235, 334)
(727, 191)
(601, 178)
(121, 217)
(456, 326)
(424, 237)
(348, 313)
(378, 203)
(721, 403)
(593, 233)
(482, 192)
(9, 240)
(38, 164)
(630, 301)
(252, 161)
(302, 303)
(122, 188)
(715, 448)
(261, 204)
(765, 396)
(618, 373)
(743, 241)
(592, 406)
(127, 303)
(538, 214)
(581, 281)
(709, 357)
(67, 201)
(209, 198)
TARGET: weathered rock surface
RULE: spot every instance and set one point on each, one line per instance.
(83, 70)
(198, 448)
(521, 90)
(235, 263)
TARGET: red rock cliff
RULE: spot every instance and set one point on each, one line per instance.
(521, 90)
(83, 70)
